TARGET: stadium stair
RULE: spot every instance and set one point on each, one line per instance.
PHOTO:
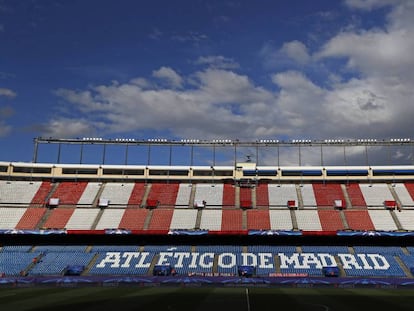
(192, 196)
(396, 220)
(395, 196)
(44, 219)
(153, 262)
(253, 197)
(237, 196)
(403, 267)
(90, 265)
(341, 268)
(244, 219)
(146, 193)
(36, 259)
(198, 219)
(294, 220)
(343, 218)
(148, 219)
(346, 196)
(97, 218)
(215, 264)
(98, 195)
(53, 188)
(299, 194)
(277, 263)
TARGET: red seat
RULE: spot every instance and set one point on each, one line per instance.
(389, 204)
(152, 203)
(292, 204)
(246, 204)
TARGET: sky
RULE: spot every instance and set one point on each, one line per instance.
(198, 69)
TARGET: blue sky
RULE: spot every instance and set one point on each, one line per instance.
(249, 70)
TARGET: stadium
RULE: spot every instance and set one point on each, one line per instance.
(244, 225)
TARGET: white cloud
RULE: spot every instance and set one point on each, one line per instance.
(374, 53)
(7, 93)
(373, 99)
(217, 61)
(385, 52)
(156, 34)
(297, 51)
(271, 56)
(222, 98)
(300, 103)
(190, 36)
(141, 82)
(225, 104)
(5, 129)
(379, 95)
(82, 99)
(5, 113)
(169, 75)
(224, 86)
(401, 16)
(370, 4)
(67, 128)
(292, 54)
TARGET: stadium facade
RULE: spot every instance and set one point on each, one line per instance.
(284, 221)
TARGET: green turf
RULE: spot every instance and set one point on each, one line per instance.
(204, 298)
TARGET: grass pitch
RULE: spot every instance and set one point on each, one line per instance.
(204, 298)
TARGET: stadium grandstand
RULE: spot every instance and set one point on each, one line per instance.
(240, 222)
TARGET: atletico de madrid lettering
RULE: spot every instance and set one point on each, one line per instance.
(204, 260)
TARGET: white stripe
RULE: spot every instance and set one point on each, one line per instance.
(247, 299)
